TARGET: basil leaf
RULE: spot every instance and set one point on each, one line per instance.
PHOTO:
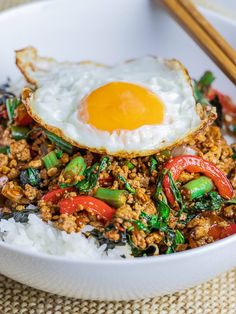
(176, 193)
(211, 201)
(91, 175)
(126, 184)
(153, 164)
(179, 237)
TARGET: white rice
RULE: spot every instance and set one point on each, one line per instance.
(38, 236)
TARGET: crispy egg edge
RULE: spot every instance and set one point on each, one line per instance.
(27, 58)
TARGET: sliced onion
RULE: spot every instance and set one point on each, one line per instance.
(183, 150)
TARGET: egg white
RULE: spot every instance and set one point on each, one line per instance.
(62, 86)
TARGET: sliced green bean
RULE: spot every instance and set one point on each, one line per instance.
(198, 187)
(50, 160)
(115, 198)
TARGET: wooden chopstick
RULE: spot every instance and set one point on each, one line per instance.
(204, 33)
(203, 22)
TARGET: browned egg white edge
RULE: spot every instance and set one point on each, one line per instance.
(27, 58)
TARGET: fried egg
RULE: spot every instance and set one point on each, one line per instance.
(132, 109)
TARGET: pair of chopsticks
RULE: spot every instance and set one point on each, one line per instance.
(218, 49)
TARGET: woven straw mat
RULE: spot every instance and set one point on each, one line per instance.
(214, 297)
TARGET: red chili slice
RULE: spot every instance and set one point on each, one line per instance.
(22, 117)
(89, 203)
(196, 164)
(54, 196)
(217, 232)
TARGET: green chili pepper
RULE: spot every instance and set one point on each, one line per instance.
(115, 198)
(50, 160)
(198, 187)
(19, 132)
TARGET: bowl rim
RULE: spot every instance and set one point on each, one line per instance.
(151, 259)
(27, 6)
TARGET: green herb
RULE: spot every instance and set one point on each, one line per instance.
(176, 193)
(30, 176)
(190, 216)
(136, 252)
(201, 87)
(164, 211)
(5, 150)
(19, 132)
(232, 201)
(206, 80)
(5, 93)
(115, 198)
(126, 184)
(131, 228)
(215, 102)
(59, 142)
(170, 250)
(199, 96)
(104, 164)
(91, 175)
(212, 201)
(153, 222)
(141, 226)
(179, 237)
(34, 176)
(50, 160)
(175, 238)
(11, 105)
(129, 165)
(58, 153)
(159, 194)
(90, 180)
(101, 239)
(153, 164)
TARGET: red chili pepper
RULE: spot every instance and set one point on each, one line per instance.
(196, 164)
(22, 117)
(230, 230)
(217, 232)
(54, 196)
(89, 203)
(226, 102)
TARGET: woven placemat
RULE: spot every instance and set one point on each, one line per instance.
(214, 297)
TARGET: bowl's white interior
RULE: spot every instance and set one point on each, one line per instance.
(110, 31)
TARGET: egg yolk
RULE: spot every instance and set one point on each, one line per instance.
(121, 106)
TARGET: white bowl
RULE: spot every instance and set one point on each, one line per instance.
(110, 31)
